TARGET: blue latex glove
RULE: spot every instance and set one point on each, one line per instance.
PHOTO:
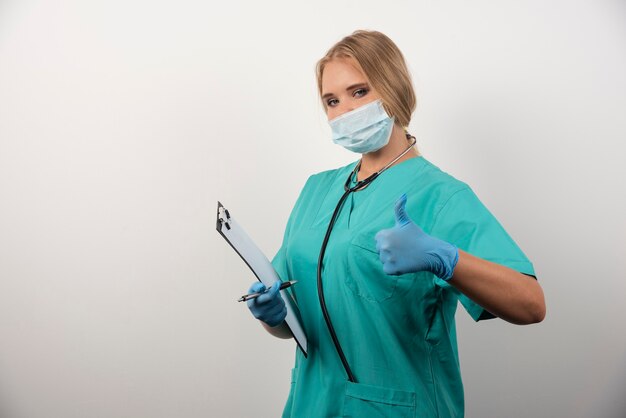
(270, 306)
(406, 248)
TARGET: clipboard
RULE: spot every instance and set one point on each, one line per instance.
(261, 267)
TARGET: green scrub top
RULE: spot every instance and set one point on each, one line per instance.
(397, 332)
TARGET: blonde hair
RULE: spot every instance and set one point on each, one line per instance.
(383, 64)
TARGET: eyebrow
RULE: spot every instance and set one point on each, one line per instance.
(347, 89)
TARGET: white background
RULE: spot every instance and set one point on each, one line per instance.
(123, 122)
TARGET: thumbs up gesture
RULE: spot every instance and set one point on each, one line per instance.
(406, 248)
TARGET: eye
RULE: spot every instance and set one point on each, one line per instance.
(331, 102)
(360, 92)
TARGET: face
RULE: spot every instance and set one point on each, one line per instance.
(344, 87)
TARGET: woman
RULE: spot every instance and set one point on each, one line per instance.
(404, 248)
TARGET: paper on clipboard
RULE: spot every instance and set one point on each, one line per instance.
(261, 267)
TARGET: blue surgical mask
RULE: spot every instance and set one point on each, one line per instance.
(364, 129)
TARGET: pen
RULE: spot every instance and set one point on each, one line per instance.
(283, 285)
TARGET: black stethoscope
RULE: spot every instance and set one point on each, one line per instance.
(320, 291)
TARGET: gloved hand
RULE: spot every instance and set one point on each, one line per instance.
(406, 248)
(270, 306)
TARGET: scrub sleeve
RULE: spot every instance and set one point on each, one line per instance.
(467, 223)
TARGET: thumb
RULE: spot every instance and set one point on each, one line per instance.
(256, 287)
(274, 289)
(270, 294)
(401, 216)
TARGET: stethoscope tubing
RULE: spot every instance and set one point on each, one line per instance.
(320, 288)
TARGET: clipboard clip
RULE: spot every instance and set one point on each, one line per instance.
(223, 217)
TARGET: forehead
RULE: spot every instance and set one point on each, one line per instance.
(339, 73)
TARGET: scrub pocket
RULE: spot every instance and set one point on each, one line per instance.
(375, 401)
(366, 277)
